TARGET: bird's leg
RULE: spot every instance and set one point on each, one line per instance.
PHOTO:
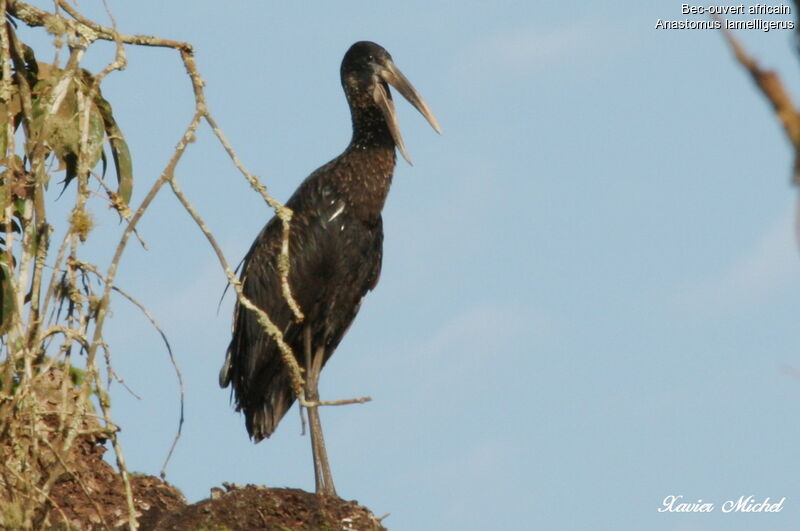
(322, 470)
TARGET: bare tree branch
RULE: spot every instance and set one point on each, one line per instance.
(771, 86)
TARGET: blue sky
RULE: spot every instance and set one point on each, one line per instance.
(590, 287)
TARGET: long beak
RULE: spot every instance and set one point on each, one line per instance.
(392, 75)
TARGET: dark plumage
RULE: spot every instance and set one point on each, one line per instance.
(335, 250)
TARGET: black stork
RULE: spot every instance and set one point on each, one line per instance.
(335, 253)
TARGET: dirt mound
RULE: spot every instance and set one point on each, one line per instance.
(80, 490)
(96, 500)
(256, 507)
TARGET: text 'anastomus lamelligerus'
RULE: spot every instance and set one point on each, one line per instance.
(335, 252)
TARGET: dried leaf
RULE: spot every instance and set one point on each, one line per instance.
(13, 110)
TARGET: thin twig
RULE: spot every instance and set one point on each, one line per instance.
(119, 205)
(344, 402)
(269, 327)
(295, 372)
(283, 212)
(33, 16)
(178, 374)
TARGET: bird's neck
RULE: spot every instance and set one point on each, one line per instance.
(370, 129)
(368, 164)
(364, 171)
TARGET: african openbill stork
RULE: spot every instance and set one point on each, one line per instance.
(335, 252)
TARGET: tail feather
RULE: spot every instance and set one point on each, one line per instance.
(225, 371)
(263, 415)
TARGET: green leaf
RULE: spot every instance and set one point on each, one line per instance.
(31, 64)
(19, 206)
(119, 150)
(62, 133)
(6, 296)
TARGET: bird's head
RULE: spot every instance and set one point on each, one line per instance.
(366, 69)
